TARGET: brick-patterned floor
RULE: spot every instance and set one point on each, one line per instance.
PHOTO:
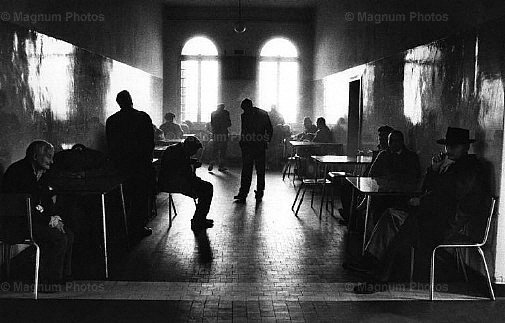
(258, 263)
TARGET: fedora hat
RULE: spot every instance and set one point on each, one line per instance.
(455, 136)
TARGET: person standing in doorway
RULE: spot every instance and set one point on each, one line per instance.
(220, 122)
(256, 133)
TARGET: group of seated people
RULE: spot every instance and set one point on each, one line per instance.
(316, 133)
(452, 192)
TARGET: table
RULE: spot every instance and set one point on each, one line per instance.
(91, 186)
(329, 160)
(168, 142)
(380, 186)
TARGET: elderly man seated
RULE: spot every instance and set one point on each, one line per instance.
(28, 175)
(453, 193)
(177, 175)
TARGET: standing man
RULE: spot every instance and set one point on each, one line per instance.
(256, 133)
(220, 122)
(130, 140)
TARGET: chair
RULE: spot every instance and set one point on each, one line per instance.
(17, 206)
(308, 183)
(470, 244)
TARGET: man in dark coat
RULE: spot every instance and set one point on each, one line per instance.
(28, 175)
(454, 193)
(256, 133)
(130, 140)
(220, 122)
(323, 133)
(177, 175)
(346, 194)
(396, 163)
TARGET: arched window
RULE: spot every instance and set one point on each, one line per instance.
(199, 79)
(278, 79)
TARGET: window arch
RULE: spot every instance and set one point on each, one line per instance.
(278, 77)
(199, 79)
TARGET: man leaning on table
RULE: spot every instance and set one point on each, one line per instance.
(453, 193)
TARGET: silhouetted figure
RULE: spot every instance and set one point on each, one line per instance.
(130, 138)
(171, 129)
(256, 133)
(309, 130)
(220, 122)
(28, 175)
(323, 133)
(275, 117)
(396, 163)
(177, 175)
(346, 193)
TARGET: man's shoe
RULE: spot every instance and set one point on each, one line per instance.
(199, 224)
(258, 195)
(211, 167)
(371, 287)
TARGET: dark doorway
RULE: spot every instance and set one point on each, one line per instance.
(354, 117)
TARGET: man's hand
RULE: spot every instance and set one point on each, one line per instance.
(437, 161)
(415, 201)
(57, 222)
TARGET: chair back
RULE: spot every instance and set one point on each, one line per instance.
(15, 217)
(489, 218)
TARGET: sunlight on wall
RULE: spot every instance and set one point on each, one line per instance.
(138, 83)
(50, 66)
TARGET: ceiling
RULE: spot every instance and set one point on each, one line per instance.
(245, 3)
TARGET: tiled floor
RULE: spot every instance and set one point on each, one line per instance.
(258, 262)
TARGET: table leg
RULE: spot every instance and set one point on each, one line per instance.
(323, 191)
(368, 199)
(124, 211)
(105, 237)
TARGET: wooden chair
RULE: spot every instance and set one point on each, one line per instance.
(18, 206)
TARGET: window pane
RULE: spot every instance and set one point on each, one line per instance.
(268, 85)
(279, 47)
(288, 91)
(199, 46)
(209, 89)
(189, 90)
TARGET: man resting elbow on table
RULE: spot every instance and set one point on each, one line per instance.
(453, 193)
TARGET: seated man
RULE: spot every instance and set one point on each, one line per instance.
(28, 175)
(346, 192)
(453, 194)
(323, 133)
(396, 163)
(309, 130)
(171, 130)
(177, 176)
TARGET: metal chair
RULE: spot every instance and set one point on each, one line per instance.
(17, 206)
(469, 244)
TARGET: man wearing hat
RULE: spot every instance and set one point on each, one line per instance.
(453, 193)
(177, 175)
